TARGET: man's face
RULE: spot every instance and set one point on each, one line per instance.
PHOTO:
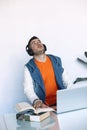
(37, 47)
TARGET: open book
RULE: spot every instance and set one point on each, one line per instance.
(25, 107)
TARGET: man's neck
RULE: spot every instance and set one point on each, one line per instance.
(41, 58)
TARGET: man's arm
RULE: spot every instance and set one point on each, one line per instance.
(28, 86)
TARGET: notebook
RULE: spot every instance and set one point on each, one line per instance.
(71, 99)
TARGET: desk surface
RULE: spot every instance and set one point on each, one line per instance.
(75, 120)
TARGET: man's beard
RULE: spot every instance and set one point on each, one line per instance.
(39, 52)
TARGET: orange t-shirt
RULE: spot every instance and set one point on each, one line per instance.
(48, 76)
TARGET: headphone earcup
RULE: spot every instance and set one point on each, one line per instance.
(45, 48)
(29, 51)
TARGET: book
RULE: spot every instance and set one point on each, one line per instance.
(33, 117)
(39, 117)
(44, 124)
(25, 107)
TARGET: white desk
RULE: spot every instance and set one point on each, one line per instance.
(76, 120)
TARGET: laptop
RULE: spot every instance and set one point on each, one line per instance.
(71, 99)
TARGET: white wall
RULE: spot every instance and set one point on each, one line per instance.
(61, 25)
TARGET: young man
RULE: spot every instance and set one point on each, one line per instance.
(43, 75)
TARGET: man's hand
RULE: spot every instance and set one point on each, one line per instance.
(37, 103)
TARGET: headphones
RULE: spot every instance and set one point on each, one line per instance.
(30, 51)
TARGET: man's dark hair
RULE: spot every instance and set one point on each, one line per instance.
(32, 38)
